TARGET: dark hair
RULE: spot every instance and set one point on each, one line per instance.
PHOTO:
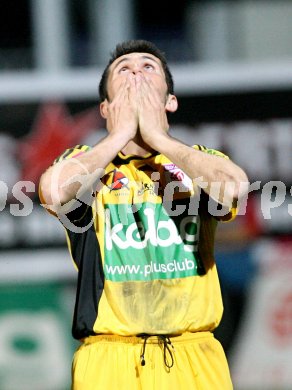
(135, 46)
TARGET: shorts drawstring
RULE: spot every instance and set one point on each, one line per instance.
(144, 337)
(166, 348)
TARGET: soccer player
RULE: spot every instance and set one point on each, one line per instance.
(140, 210)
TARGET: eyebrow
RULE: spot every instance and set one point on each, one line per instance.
(143, 57)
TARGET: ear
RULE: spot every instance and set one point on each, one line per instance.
(103, 108)
(171, 103)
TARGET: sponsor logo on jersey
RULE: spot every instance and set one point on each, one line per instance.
(176, 174)
(116, 180)
(151, 245)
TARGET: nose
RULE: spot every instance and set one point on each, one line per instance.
(136, 69)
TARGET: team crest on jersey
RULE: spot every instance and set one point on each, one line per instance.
(116, 180)
(176, 174)
(147, 187)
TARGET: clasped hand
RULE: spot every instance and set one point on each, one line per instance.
(138, 106)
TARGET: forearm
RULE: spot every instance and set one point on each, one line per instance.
(219, 177)
(64, 180)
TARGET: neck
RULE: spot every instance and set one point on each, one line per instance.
(136, 147)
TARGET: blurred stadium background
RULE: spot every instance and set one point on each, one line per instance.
(232, 66)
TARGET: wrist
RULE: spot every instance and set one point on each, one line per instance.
(155, 140)
(118, 138)
(159, 141)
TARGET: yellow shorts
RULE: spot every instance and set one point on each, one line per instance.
(109, 362)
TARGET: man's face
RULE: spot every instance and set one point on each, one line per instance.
(133, 64)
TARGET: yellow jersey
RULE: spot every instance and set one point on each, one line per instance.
(144, 250)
